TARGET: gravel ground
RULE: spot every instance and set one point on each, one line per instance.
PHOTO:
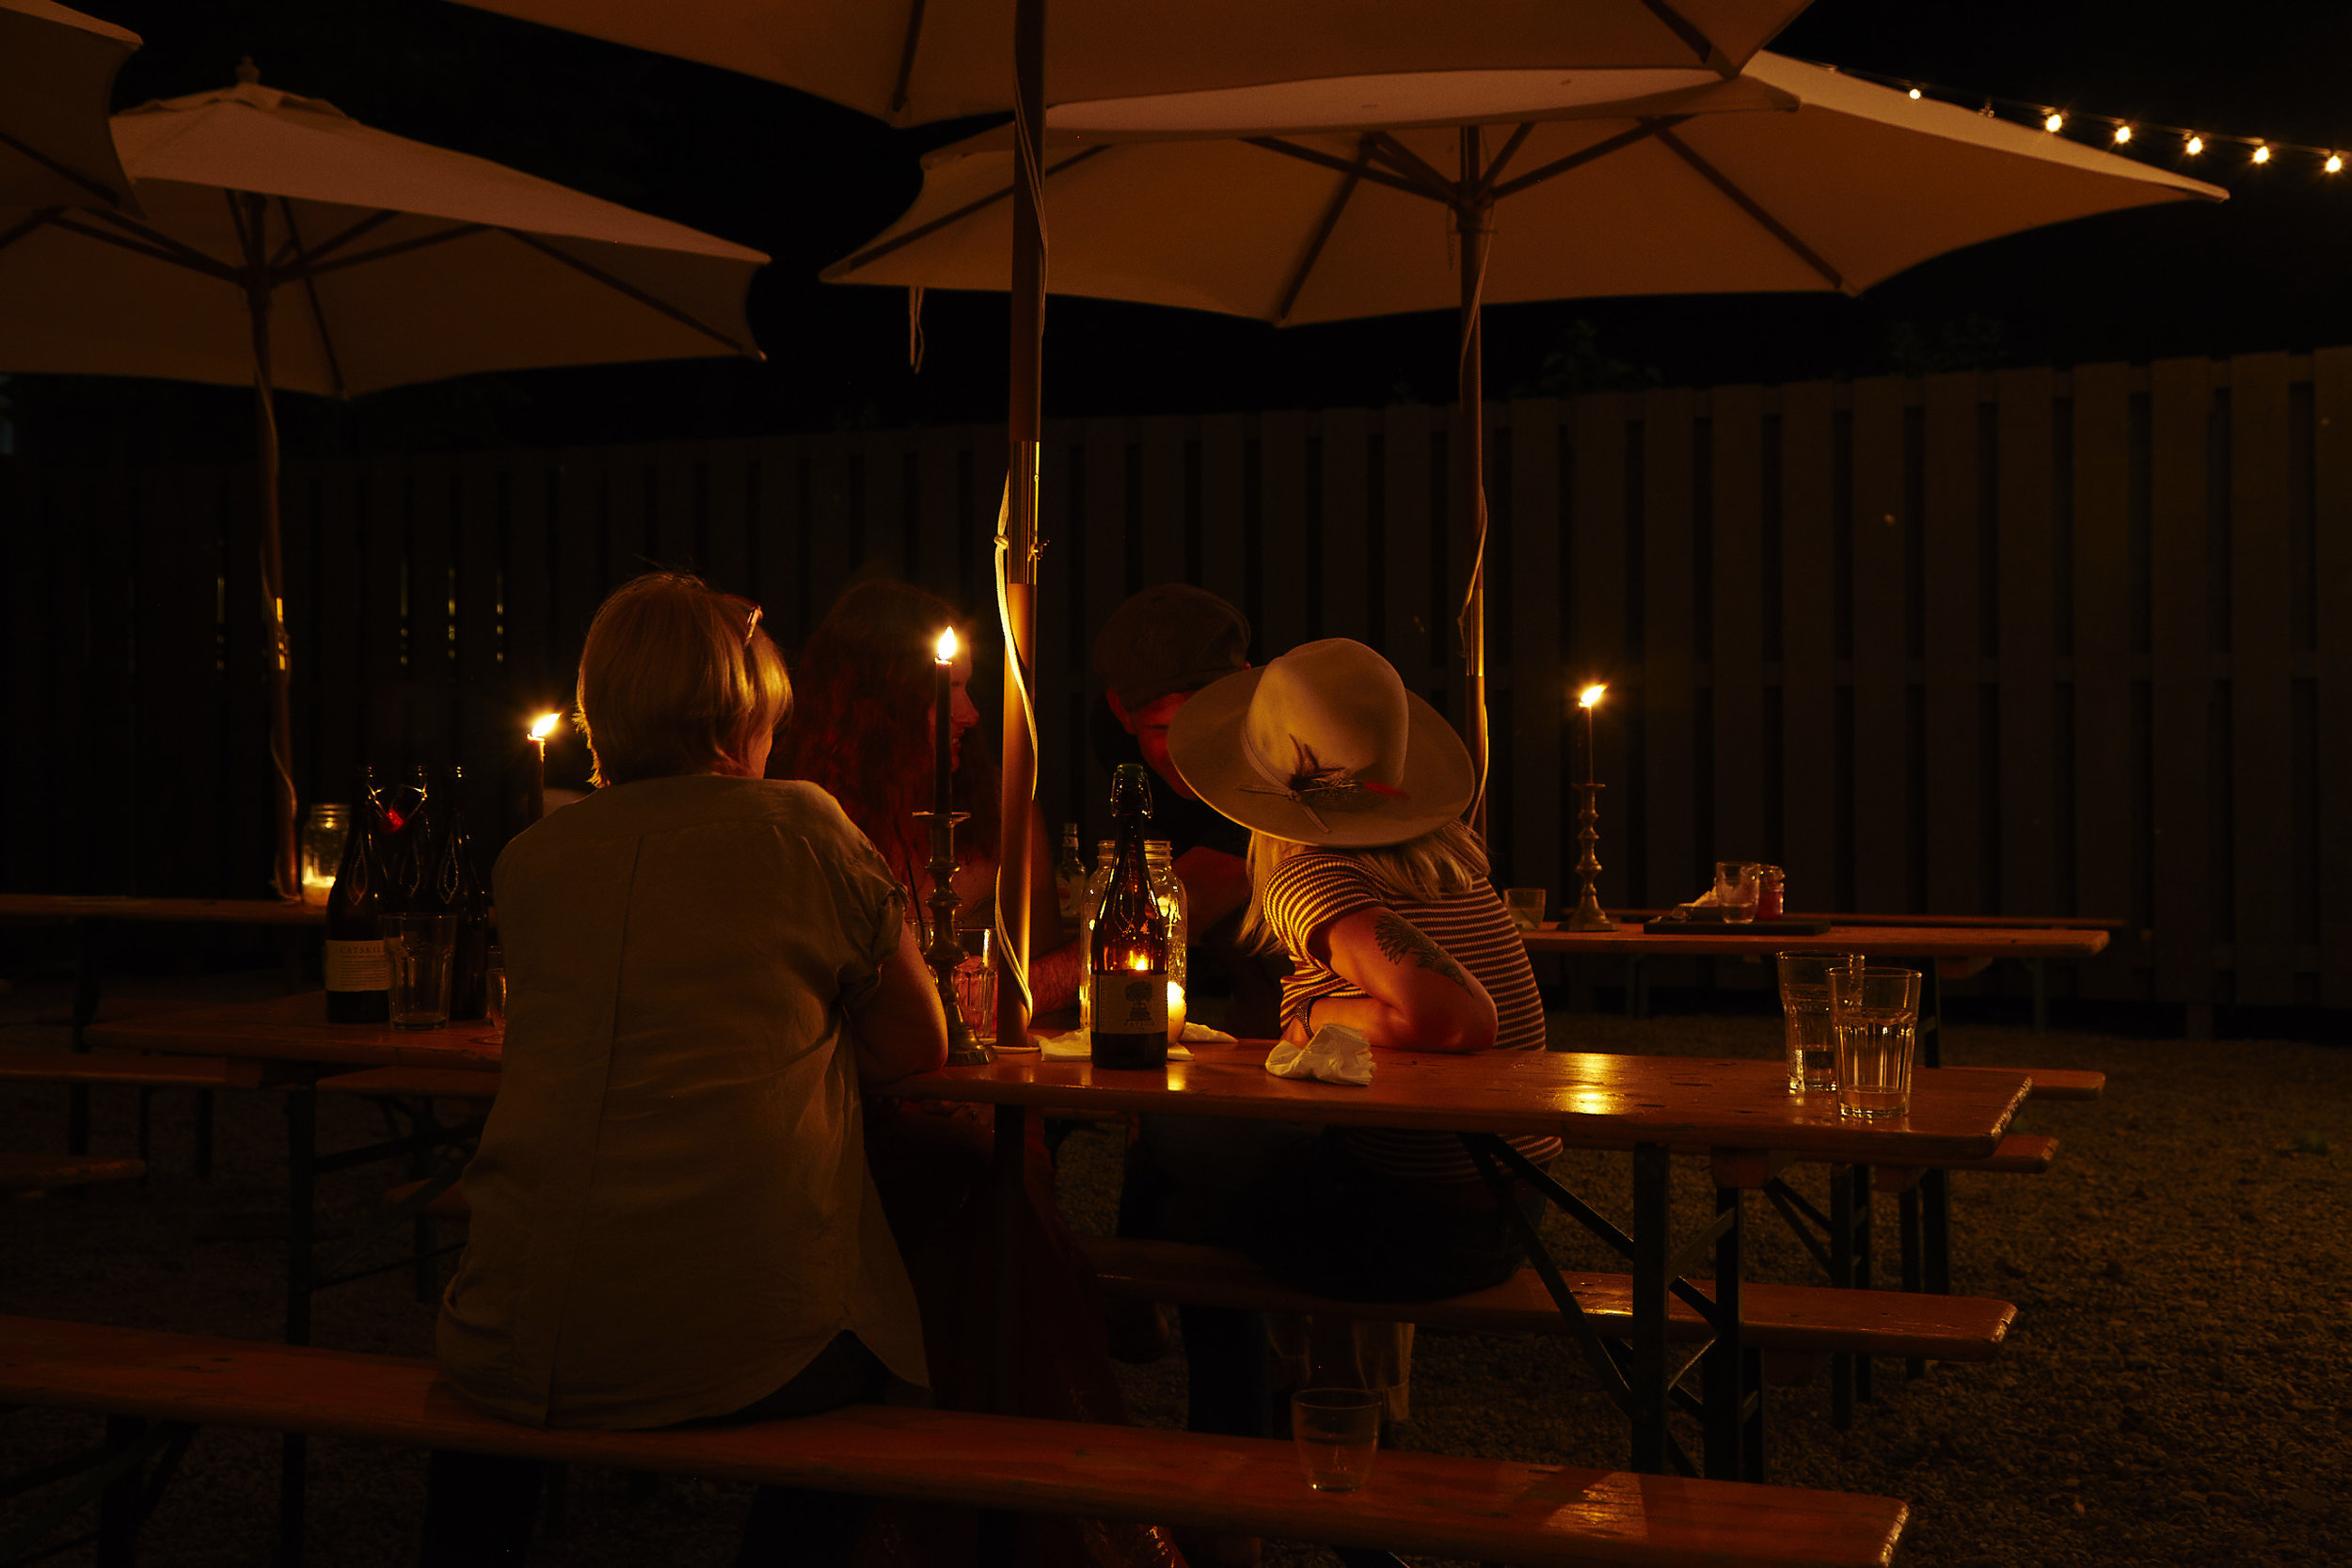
(2175, 1390)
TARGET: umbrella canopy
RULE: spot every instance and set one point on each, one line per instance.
(285, 244)
(400, 262)
(1793, 177)
(1326, 202)
(56, 77)
(912, 61)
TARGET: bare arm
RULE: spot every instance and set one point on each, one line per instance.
(900, 1028)
(1418, 998)
(1216, 884)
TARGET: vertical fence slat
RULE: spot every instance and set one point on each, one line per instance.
(2181, 665)
(1223, 572)
(1880, 742)
(2106, 841)
(1346, 565)
(1538, 703)
(1282, 527)
(2022, 595)
(1667, 708)
(1811, 827)
(1163, 437)
(2261, 671)
(1735, 641)
(1956, 818)
(2331, 399)
(1406, 433)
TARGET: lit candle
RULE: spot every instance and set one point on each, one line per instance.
(943, 736)
(1588, 699)
(541, 728)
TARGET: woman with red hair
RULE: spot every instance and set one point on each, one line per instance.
(862, 730)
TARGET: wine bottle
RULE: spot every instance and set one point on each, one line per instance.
(409, 863)
(1129, 982)
(1069, 876)
(358, 975)
(457, 886)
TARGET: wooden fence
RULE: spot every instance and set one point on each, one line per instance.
(2034, 642)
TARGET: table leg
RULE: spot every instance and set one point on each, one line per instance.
(1726, 1369)
(302, 1105)
(89, 945)
(1647, 1378)
(1849, 1270)
(1935, 1192)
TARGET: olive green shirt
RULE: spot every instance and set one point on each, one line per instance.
(672, 1212)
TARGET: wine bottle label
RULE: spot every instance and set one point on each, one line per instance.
(1131, 1003)
(358, 966)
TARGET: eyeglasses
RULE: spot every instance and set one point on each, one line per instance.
(750, 611)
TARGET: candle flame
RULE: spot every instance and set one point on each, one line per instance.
(1138, 961)
(544, 725)
(1589, 696)
(948, 646)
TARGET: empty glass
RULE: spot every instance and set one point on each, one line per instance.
(1525, 906)
(1337, 1432)
(1735, 891)
(420, 948)
(1874, 1014)
(1804, 1014)
(324, 833)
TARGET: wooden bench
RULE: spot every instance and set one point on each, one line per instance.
(1430, 1504)
(2054, 1083)
(83, 1070)
(42, 1173)
(414, 1083)
(1799, 1318)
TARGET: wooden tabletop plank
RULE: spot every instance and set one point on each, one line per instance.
(1892, 941)
(1590, 1100)
(1416, 1503)
(210, 912)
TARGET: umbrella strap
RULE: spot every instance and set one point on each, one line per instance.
(1015, 964)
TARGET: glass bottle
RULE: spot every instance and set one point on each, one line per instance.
(1176, 908)
(457, 887)
(1069, 876)
(1090, 910)
(358, 975)
(409, 862)
(1129, 1026)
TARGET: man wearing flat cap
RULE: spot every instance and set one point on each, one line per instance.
(1153, 653)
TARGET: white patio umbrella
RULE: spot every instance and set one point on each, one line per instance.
(286, 246)
(1327, 204)
(912, 61)
(57, 79)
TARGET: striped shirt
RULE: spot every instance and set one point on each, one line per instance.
(1310, 891)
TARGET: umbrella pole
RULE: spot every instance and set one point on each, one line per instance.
(1020, 545)
(1472, 218)
(287, 871)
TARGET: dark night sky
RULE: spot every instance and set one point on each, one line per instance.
(806, 181)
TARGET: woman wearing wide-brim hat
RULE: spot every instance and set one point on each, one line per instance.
(1363, 871)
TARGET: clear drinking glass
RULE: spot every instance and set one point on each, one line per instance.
(1735, 891)
(420, 948)
(1874, 1014)
(1525, 906)
(1337, 1432)
(1804, 1013)
(975, 979)
(496, 991)
(323, 832)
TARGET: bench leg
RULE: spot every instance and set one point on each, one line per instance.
(1936, 1224)
(203, 1134)
(1907, 1214)
(1730, 1376)
(145, 1127)
(1849, 1269)
(118, 1505)
(1646, 1378)
(89, 945)
(302, 1106)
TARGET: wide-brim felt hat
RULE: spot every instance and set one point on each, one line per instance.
(1324, 745)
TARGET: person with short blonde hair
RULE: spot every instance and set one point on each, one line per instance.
(676, 678)
(672, 1214)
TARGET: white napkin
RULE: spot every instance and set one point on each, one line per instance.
(1337, 1055)
(1074, 1046)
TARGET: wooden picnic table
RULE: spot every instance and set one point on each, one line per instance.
(1737, 1112)
(90, 914)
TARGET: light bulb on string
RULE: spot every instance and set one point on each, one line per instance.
(1915, 95)
(2334, 164)
(2054, 121)
(2193, 146)
(2122, 135)
(2262, 154)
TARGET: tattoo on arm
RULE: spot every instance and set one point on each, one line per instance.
(1400, 940)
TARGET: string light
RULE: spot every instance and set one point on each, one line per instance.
(2123, 133)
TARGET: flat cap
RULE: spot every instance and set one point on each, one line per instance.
(1172, 637)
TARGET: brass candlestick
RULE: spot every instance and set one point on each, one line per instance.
(945, 953)
(1588, 915)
